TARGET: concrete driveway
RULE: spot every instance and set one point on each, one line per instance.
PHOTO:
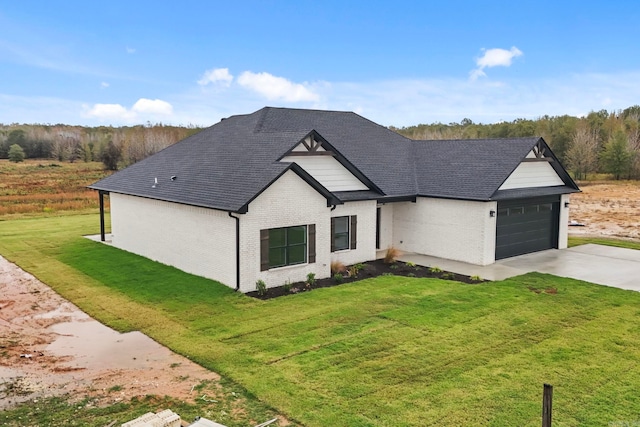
(604, 265)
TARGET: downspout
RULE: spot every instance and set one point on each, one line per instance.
(237, 251)
(333, 207)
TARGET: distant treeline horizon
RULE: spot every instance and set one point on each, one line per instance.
(600, 142)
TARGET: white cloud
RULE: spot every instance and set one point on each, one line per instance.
(109, 112)
(494, 58)
(143, 110)
(216, 75)
(130, 50)
(104, 84)
(276, 88)
(152, 106)
(388, 102)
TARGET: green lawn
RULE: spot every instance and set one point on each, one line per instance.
(390, 351)
(607, 241)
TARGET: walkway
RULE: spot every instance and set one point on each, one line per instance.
(604, 265)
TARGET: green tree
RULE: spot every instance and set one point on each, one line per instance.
(16, 153)
(616, 156)
(17, 136)
(111, 156)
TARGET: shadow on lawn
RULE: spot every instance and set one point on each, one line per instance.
(368, 270)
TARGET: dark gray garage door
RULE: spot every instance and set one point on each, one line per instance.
(527, 225)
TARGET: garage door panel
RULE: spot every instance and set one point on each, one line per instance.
(527, 225)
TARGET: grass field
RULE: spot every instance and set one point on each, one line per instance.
(47, 187)
(390, 351)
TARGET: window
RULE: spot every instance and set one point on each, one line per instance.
(340, 226)
(287, 246)
(343, 233)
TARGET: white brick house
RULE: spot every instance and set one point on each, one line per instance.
(280, 193)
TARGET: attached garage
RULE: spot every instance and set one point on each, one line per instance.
(527, 225)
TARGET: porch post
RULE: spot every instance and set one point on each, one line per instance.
(101, 193)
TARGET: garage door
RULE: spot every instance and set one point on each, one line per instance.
(527, 225)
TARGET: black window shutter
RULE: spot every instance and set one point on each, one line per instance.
(333, 235)
(354, 231)
(264, 250)
(311, 243)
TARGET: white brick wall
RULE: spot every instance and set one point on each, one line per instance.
(454, 229)
(563, 232)
(197, 240)
(287, 202)
(366, 233)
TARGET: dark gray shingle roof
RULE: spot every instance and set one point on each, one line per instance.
(227, 165)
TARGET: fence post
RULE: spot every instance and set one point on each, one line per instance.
(547, 399)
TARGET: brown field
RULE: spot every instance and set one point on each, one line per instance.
(47, 186)
(607, 209)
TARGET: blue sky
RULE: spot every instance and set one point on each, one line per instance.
(398, 62)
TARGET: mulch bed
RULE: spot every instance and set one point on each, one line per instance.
(370, 269)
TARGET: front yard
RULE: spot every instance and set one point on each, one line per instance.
(391, 351)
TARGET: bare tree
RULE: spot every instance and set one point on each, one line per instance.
(632, 123)
(582, 155)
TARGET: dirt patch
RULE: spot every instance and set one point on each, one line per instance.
(607, 208)
(366, 270)
(49, 347)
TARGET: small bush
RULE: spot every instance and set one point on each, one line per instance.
(476, 278)
(411, 275)
(448, 276)
(354, 270)
(311, 279)
(394, 266)
(287, 286)
(435, 270)
(261, 287)
(337, 267)
(388, 274)
(411, 264)
(338, 278)
(391, 255)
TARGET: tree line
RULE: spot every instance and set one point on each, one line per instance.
(600, 142)
(114, 146)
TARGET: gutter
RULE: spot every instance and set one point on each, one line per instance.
(237, 251)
